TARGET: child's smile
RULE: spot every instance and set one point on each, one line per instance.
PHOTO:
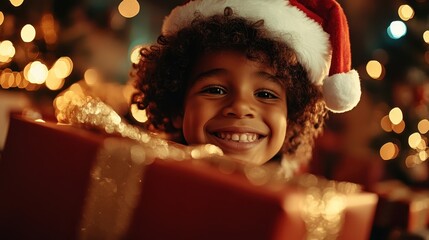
(238, 135)
(236, 104)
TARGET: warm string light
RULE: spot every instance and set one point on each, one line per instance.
(138, 114)
(426, 36)
(389, 151)
(1, 18)
(423, 126)
(405, 12)
(135, 54)
(7, 51)
(16, 3)
(28, 33)
(395, 115)
(417, 142)
(12, 79)
(36, 72)
(129, 8)
(374, 69)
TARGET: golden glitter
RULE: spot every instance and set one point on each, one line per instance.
(138, 154)
(196, 153)
(323, 205)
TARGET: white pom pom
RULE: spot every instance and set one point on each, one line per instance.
(342, 91)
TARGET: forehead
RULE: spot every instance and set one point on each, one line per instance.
(229, 59)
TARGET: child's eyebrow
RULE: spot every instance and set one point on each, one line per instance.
(220, 71)
(208, 73)
(270, 77)
(266, 75)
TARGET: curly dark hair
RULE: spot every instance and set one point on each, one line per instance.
(162, 73)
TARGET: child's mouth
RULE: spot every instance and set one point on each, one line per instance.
(238, 137)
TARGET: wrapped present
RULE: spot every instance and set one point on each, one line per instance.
(65, 182)
(401, 208)
(44, 179)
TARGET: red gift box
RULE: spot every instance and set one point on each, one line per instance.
(43, 179)
(63, 182)
(401, 208)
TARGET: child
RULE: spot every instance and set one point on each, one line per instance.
(248, 76)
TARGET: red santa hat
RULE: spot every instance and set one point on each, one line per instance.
(316, 29)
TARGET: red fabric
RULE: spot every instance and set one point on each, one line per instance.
(331, 16)
(44, 174)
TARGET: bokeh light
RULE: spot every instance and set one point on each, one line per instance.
(91, 77)
(374, 69)
(397, 29)
(422, 145)
(414, 140)
(5, 79)
(63, 67)
(386, 124)
(53, 82)
(138, 114)
(423, 155)
(135, 54)
(389, 151)
(7, 51)
(16, 3)
(398, 128)
(406, 12)
(28, 33)
(37, 73)
(1, 17)
(412, 160)
(395, 115)
(129, 8)
(426, 36)
(423, 126)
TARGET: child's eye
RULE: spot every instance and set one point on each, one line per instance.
(216, 90)
(266, 94)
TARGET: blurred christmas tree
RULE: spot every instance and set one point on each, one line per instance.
(391, 50)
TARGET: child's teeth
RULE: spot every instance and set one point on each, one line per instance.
(228, 136)
(235, 137)
(243, 138)
(238, 137)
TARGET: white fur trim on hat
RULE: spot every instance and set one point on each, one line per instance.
(342, 91)
(283, 21)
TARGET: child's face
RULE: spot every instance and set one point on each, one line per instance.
(236, 104)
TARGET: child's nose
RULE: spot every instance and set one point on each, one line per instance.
(239, 107)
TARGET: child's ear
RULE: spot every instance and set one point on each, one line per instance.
(177, 122)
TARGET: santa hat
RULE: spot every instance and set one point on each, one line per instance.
(316, 29)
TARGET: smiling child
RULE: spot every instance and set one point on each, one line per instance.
(254, 78)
